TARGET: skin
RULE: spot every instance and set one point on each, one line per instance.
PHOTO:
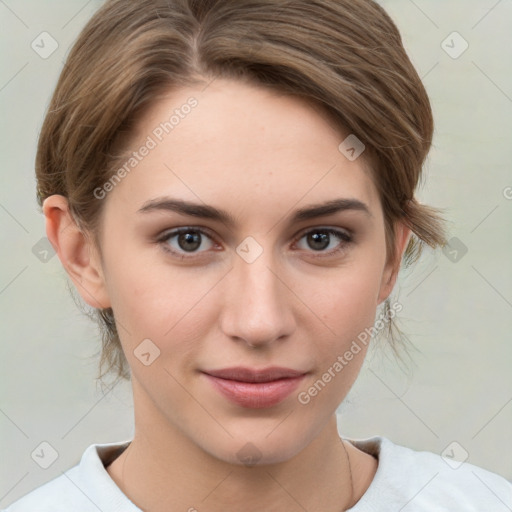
(259, 156)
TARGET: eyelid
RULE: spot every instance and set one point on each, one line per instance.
(330, 229)
(344, 234)
(167, 234)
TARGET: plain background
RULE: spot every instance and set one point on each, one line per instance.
(457, 309)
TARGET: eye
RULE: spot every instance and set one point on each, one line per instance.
(185, 240)
(319, 239)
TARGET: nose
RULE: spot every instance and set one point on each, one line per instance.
(258, 308)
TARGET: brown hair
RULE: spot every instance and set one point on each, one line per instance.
(346, 56)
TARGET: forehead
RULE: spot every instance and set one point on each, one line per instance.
(232, 142)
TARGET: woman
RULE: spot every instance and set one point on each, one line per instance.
(231, 186)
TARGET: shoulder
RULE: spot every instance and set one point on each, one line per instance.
(85, 487)
(57, 494)
(422, 480)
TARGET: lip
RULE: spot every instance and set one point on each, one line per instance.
(255, 388)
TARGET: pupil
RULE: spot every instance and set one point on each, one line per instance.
(185, 239)
(320, 240)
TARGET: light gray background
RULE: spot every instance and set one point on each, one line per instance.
(458, 314)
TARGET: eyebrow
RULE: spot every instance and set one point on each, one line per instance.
(204, 211)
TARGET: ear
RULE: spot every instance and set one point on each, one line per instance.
(76, 252)
(390, 274)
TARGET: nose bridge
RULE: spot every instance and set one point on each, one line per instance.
(259, 282)
(258, 311)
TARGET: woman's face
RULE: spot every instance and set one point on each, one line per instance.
(256, 286)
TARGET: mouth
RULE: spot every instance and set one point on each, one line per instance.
(255, 389)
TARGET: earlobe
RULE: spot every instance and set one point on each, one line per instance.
(390, 274)
(75, 251)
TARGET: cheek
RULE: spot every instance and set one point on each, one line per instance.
(348, 306)
(346, 298)
(173, 304)
(167, 304)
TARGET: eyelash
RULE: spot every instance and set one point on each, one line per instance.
(344, 236)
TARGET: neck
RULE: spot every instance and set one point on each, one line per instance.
(163, 470)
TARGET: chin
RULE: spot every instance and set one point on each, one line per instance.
(260, 446)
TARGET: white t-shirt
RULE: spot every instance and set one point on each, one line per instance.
(406, 480)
